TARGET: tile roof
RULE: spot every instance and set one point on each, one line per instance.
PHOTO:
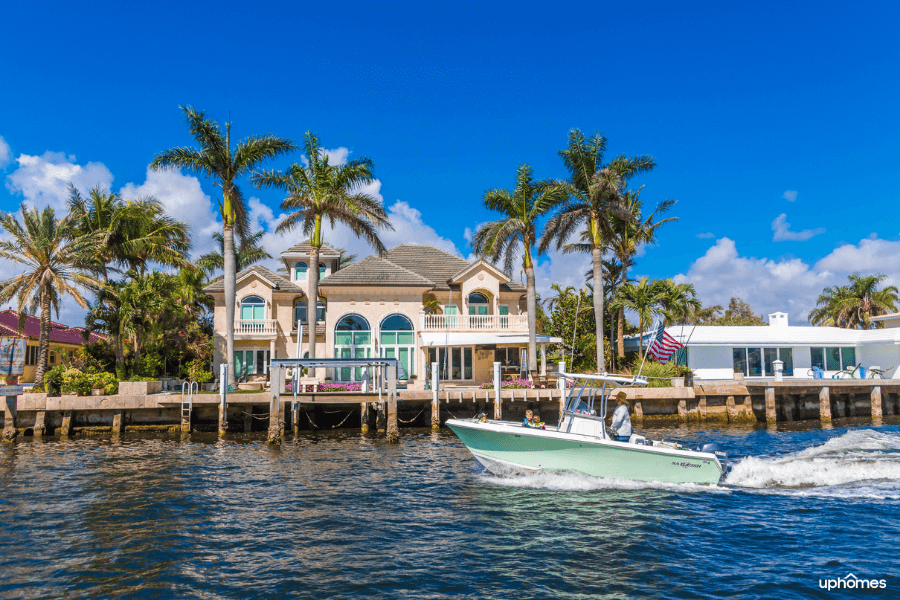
(376, 271)
(9, 325)
(304, 248)
(282, 282)
(431, 263)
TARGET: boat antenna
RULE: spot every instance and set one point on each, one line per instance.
(574, 329)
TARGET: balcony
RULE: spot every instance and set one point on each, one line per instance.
(249, 328)
(511, 323)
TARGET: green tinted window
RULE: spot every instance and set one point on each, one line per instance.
(848, 358)
(817, 357)
(406, 337)
(343, 338)
(388, 337)
(362, 338)
(786, 356)
(833, 359)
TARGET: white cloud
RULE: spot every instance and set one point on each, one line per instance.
(789, 285)
(556, 267)
(44, 180)
(790, 195)
(706, 236)
(5, 153)
(337, 156)
(783, 231)
(184, 200)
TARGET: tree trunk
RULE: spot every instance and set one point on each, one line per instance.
(597, 253)
(531, 306)
(230, 299)
(312, 300)
(621, 316)
(44, 340)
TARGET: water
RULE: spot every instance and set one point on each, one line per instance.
(349, 516)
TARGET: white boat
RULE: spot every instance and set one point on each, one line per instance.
(581, 443)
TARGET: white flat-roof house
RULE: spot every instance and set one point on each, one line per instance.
(374, 307)
(714, 352)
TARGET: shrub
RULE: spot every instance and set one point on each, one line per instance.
(76, 381)
(515, 384)
(196, 371)
(657, 374)
(107, 381)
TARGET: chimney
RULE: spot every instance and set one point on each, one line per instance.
(778, 319)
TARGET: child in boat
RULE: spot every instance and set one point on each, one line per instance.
(621, 421)
(531, 420)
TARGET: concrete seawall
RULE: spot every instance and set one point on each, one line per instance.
(722, 402)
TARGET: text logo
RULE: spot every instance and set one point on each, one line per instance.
(852, 582)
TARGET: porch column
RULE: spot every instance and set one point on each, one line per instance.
(543, 360)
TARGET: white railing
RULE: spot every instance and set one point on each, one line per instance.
(473, 322)
(255, 326)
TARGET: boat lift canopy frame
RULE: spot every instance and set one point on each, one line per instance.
(385, 367)
(574, 398)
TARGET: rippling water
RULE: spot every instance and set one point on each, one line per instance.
(347, 515)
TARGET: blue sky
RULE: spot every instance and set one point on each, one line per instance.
(752, 112)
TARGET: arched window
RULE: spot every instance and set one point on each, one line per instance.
(321, 271)
(398, 341)
(478, 304)
(253, 308)
(301, 313)
(300, 270)
(352, 339)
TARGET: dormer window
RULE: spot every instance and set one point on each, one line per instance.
(253, 308)
(300, 270)
(478, 304)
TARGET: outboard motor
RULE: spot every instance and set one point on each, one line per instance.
(718, 450)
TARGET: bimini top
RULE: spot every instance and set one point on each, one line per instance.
(610, 377)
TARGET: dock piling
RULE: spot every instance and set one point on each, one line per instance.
(875, 396)
(223, 398)
(825, 404)
(10, 431)
(498, 391)
(435, 401)
(66, 428)
(393, 431)
(771, 413)
(275, 419)
(118, 418)
(40, 423)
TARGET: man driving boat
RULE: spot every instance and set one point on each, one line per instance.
(621, 421)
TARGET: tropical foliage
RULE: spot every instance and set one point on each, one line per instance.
(247, 253)
(737, 313)
(853, 306)
(55, 263)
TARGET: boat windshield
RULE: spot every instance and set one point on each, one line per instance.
(583, 408)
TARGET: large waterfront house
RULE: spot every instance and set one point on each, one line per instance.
(63, 340)
(714, 352)
(375, 307)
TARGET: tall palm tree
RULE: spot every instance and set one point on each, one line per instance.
(55, 263)
(141, 301)
(321, 192)
(105, 316)
(643, 298)
(216, 159)
(852, 306)
(677, 301)
(597, 192)
(561, 294)
(516, 232)
(248, 253)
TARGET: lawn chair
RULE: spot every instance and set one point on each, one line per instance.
(538, 380)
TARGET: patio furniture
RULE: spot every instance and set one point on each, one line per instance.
(538, 380)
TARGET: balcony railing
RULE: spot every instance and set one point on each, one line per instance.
(255, 327)
(473, 322)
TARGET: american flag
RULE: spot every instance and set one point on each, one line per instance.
(663, 345)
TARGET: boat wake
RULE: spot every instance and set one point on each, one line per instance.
(580, 482)
(861, 463)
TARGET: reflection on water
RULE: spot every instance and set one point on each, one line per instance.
(347, 515)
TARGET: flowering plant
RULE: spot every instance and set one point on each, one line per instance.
(515, 384)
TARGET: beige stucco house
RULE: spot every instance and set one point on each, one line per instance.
(374, 307)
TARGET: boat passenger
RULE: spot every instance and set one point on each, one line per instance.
(621, 421)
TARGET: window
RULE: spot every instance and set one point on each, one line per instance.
(453, 365)
(757, 362)
(681, 357)
(321, 271)
(301, 313)
(478, 304)
(352, 339)
(833, 359)
(507, 357)
(504, 312)
(31, 355)
(300, 270)
(251, 362)
(52, 358)
(252, 308)
(398, 341)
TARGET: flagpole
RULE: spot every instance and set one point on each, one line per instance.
(653, 335)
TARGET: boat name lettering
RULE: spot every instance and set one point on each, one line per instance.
(685, 464)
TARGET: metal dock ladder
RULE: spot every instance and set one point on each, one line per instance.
(187, 404)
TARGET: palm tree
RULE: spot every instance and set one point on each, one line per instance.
(322, 191)
(55, 263)
(248, 253)
(216, 158)
(105, 316)
(141, 301)
(643, 298)
(517, 232)
(132, 232)
(597, 192)
(854, 305)
(561, 294)
(677, 301)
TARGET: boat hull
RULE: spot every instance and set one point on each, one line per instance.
(507, 447)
